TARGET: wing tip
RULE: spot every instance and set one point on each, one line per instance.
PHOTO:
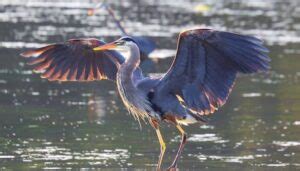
(197, 30)
(36, 52)
(27, 54)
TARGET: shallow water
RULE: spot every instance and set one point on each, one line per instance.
(49, 125)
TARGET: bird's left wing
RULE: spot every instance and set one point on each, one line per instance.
(205, 67)
(75, 60)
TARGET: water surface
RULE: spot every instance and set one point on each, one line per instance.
(49, 125)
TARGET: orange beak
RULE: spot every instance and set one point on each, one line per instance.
(108, 46)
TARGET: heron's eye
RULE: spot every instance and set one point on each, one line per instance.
(120, 42)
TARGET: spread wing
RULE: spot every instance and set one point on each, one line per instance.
(205, 67)
(75, 60)
(145, 44)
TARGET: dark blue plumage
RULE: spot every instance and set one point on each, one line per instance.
(145, 44)
(205, 68)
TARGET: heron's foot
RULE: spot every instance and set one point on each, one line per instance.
(172, 168)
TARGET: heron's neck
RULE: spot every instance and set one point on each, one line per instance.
(125, 81)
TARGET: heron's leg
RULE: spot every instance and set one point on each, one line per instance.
(162, 148)
(155, 125)
(182, 143)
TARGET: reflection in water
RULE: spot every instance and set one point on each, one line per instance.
(96, 108)
(229, 159)
(51, 153)
(286, 143)
(49, 125)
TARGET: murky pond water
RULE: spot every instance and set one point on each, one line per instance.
(49, 125)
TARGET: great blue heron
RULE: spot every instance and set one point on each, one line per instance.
(146, 45)
(198, 82)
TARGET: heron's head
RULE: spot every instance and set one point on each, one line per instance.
(122, 44)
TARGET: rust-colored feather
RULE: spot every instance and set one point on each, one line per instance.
(74, 60)
(43, 65)
(55, 75)
(99, 74)
(81, 76)
(91, 74)
(48, 72)
(72, 76)
(36, 60)
(36, 52)
(64, 76)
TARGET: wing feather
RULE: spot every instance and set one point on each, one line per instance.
(75, 60)
(205, 68)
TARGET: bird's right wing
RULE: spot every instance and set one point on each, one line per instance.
(205, 67)
(145, 44)
(75, 60)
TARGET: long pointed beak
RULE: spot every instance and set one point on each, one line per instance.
(108, 46)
